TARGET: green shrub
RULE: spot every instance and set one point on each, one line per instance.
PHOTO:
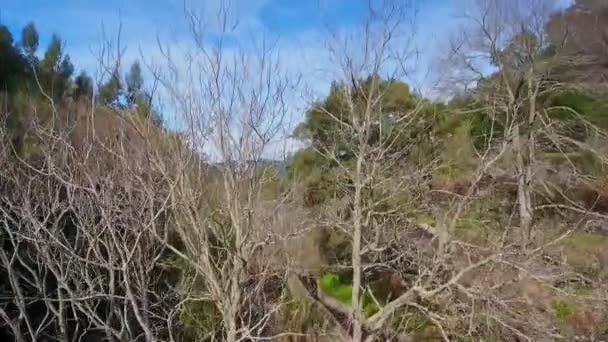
(368, 304)
(333, 286)
(563, 310)
(340, 288)
(199, 321)
(586, 162)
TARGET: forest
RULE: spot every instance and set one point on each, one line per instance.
(480, 214)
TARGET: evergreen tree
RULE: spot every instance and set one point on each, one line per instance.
(83, 86)
(30, 41)
(135, 83)
(55, 69)
(66, 69)
(12, 66)
(109, 92)
(52, 55)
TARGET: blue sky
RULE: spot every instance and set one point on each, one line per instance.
(80, 22)
(299, 26)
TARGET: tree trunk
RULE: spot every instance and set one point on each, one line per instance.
(230, 316)
(525, 177)
(356, 252)
(235, 292)
(523, 188)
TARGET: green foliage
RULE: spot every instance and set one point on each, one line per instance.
(110, 91)
(571, 108)
(562, 310)
(135, 83)
(585, 162)
(274, 183)
(66, 69)
(457, 156)
(585, 251)
(29, 40)
(418, 325)
(304, 163)
(336, 287)
(369, 306)
(199, 320)
(463, 111)
(322, 129)
(55, 69)
(411, 138)
(52, 55)
(584, 241)
(315, 174)
(13, 67)
(484, 219)
(83, 86)
(484, 128)
(339, 287)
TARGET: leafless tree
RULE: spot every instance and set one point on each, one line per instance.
(77, 213)
(232, 100)
(371, 169)
(503, 52)
(112, 228)
(77, 218)
(373, 134)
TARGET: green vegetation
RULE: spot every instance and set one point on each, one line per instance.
(114, 227)
(198, 320)
(586, 250)
(563, 310)
(339, 287)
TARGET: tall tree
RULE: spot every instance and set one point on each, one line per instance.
(12, 66)
(30, 41)
(83, 86)
(135, 83)
(52, 55)
(66, 69)
(110, 91)
(55, 69)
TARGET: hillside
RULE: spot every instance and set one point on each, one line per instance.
(479, 215)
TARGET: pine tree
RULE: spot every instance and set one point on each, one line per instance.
(30, 41)
(135, 83)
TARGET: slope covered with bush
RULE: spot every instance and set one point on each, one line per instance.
(482, 217)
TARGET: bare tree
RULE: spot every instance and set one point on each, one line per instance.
(76, 219)
(372, 160)
(376, 53)
(112, 228)
(509, 37)
(232, 101)
(77, 214)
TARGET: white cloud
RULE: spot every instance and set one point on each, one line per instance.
(303, 53)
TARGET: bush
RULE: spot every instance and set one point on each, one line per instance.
(340, 288)
(332, 285)
(563, 310)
